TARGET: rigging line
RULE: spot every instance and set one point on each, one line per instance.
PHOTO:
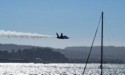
(112, 35)
(91, 47)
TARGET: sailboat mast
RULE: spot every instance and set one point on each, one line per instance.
(102, 46)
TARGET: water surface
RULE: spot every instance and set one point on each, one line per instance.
(59, 69)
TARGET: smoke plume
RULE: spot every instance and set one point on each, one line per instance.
(14, 34)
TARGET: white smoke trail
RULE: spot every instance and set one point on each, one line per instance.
(14, 34)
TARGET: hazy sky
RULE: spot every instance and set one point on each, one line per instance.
(76, 18)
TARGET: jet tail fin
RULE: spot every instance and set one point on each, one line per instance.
(57, 34)
(61, 34)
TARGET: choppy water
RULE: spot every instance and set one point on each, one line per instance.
(59, 69)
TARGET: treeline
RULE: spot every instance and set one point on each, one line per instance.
(38, 55)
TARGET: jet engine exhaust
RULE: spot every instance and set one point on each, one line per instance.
(14, 34)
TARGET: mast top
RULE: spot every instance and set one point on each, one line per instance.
(102, 12)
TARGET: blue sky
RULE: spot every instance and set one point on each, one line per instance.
(75, 18)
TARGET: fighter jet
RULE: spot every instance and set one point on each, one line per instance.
(62, 36)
